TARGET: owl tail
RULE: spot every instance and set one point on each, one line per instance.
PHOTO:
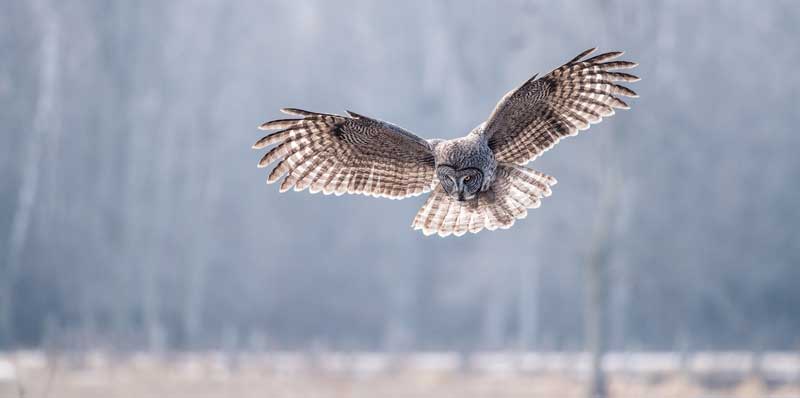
(514, 190)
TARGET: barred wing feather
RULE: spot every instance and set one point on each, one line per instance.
(533, 118)
(346, 154)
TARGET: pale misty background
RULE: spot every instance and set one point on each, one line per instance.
(133, 216)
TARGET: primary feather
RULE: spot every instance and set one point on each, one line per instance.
(341, 154)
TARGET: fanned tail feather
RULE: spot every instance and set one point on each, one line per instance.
(514, 190)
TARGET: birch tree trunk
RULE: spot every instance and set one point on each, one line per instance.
(44, 123)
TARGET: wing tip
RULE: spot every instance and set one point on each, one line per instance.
(296, 112)
(583, 54)
(277, 124)
(355, 115)
(273, 177)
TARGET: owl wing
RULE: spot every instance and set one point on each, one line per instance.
(534, 117)
(352, 154)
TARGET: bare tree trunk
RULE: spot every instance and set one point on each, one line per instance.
(683, 346)
(193, 304)
(757, 359)
(596, 283)
(43, 125)
(528, 306)
(207, 181)
(151, 307)
(496, 315)
(618, 303)
(619, 274)
(399, 334)
(596, 327)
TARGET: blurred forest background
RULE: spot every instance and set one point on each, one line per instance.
(132, 216)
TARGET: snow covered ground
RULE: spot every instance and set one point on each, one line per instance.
(434, 374)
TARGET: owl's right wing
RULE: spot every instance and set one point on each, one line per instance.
(534, 117)
(340, 154)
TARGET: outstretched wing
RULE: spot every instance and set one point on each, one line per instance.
(534, 117)
(338, 154)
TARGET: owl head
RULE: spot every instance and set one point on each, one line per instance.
(460, 183)
(465, 166)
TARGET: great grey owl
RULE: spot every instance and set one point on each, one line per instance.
(478, 181)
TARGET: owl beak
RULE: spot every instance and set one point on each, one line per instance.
(460, 189)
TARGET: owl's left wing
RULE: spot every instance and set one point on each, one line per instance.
(534, 117)
(341, 154)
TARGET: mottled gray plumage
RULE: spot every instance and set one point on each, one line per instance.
(479, 180)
